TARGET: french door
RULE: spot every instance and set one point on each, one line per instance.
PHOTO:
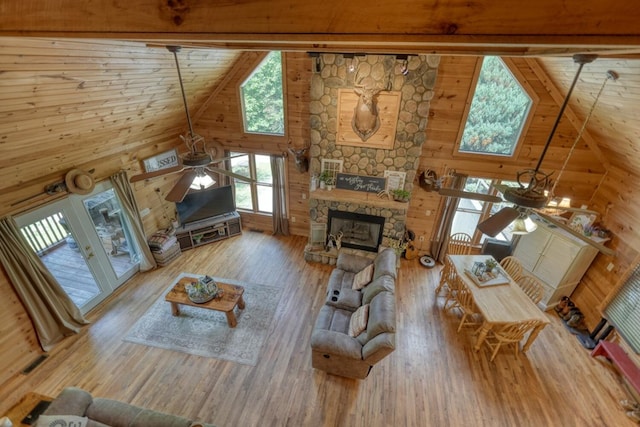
(85, 242)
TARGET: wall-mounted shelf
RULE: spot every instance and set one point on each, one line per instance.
(209, 230)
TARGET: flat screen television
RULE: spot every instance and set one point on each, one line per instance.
(203, 204)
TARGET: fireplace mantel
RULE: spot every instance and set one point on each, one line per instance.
(349, 196)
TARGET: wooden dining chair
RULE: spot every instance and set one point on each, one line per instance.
(467, 306)
(455, 286)
(459, 244)
(532, 287)
(512, 266)
(447, 275)
(511, 333)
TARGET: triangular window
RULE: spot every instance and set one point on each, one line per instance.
(262, 97)
(498, 113)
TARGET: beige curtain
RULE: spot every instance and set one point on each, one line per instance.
(443, 228)
(131, 213)
(280, 220)
(52, 312)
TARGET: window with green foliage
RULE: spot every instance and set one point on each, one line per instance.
(498, 112)
(262, 99)
(256, 196)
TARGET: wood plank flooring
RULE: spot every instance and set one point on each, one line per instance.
(434, 378)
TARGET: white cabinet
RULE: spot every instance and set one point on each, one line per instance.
(557, 258)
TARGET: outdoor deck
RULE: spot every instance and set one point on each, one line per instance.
(69, 268)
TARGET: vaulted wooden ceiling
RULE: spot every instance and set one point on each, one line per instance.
(66, 101)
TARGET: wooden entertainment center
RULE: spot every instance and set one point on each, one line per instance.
(209, 230)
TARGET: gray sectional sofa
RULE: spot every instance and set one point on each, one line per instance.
(112, 413)
(334, 350)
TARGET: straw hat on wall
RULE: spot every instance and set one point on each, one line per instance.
(79, 181)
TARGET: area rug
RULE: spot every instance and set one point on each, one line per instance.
(205, 332)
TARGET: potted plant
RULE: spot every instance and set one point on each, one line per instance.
(400, 195)
(490, 264)
(324, 177)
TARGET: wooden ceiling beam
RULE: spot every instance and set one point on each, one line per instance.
(544, 27)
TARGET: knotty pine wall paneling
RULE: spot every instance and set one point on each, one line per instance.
(98, 105)
(222, 122)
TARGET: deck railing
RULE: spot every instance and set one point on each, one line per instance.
(46, 233)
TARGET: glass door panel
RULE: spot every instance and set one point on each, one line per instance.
(105, 213)
(50, 233)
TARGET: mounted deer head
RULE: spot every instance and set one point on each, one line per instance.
(365, 121)
(302, 162)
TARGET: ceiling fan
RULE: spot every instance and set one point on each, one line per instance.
(531, 194)
(195, 163)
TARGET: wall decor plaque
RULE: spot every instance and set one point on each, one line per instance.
(368, 184)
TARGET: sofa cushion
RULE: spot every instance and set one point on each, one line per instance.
(61, 420)
(112, 412)
(70, 401)
(382, 315)
(352, 262)
(385, 264)
(363, 277)
(148, 418)
(358, 321)
(380, 284)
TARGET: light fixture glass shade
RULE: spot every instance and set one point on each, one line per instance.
(523, 225)
(201, 182)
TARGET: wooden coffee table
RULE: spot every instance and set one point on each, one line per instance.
(231, 296)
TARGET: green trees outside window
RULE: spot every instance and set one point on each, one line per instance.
(262, 98)
(498, 112)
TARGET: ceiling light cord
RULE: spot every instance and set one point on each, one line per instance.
(611, 75)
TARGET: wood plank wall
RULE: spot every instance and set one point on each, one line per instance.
(92, 104)
(222, 123)
(106, 105)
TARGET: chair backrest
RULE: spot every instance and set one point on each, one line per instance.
(532, 287)
(459, 244)
(512, 266)
(464, 297)
(514, 332)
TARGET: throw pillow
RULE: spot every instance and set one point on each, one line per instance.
(62, 421)
(363, 277)
(358, 322)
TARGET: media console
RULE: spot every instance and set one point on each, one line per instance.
(209, 230)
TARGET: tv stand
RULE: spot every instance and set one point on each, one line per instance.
(209, 230)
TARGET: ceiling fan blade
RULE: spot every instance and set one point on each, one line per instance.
(156, 174)
(498, 221)
(452, 192)
(602, 248)
(222, 159)
(181, 188)
(228, 173)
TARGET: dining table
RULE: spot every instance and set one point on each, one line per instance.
(500, 301)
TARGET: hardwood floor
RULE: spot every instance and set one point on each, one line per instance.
(434, 378)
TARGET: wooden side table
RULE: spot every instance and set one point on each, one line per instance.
(21, 409)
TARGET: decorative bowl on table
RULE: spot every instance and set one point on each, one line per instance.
(204, 290)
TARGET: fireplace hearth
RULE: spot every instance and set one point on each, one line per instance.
(359, 231)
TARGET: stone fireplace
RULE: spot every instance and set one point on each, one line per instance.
(415, 86)
(357, 230)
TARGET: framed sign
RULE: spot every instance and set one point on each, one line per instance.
(161, 161)
(367, 184)
(395, 180)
